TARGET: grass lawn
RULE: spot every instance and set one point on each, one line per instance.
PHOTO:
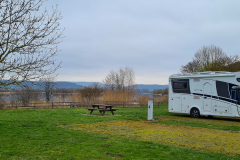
(40, 134)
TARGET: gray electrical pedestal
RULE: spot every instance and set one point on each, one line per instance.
(150, 110)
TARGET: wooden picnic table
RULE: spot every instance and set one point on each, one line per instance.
(102, 108)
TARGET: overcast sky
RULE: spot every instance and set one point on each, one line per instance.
(153, 37)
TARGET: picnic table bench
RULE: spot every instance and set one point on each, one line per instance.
(102, 108)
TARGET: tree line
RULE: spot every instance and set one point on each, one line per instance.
(161, 91)
(212, 58)
(120, 83)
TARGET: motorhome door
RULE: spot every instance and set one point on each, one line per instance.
(238, 100)
(207, 96)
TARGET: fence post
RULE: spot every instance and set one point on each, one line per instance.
(123, 103)
(158, 104)
(16, 105)
(34, 106)
(106, 102)
(52, 105)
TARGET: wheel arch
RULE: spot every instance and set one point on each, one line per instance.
(195, 106)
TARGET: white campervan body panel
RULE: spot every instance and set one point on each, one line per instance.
(205, 93)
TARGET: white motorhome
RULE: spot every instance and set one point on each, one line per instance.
(205, 93)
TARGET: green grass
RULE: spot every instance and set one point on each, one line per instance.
(35, 134)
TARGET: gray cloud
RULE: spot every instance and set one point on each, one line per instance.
(153, 37)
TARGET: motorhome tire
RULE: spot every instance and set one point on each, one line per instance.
(195, 113)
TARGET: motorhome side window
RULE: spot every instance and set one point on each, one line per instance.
(238, 94)
(180, 85)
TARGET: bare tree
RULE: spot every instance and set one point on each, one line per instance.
(62, 94)
(161, 91)
(48, 85)
(25, 94)
(110, 80)
(28, 41)
(92, 92)
(129, 79)
(165, 91)
(210, 58)
(190, 67)
(2, 101)
(13, 98)
(123, 79)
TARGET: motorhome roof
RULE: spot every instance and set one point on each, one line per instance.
(203, 74)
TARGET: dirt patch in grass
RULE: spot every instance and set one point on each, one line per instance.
(213, 140)
(100, 115)
(114, 155)
(103, 138)
(105, 145)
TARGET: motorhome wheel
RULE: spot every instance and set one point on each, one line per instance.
(195, 113)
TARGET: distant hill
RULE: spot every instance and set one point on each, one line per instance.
(151, 87)
(65, 84)
(58, 84)
(87, 83)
